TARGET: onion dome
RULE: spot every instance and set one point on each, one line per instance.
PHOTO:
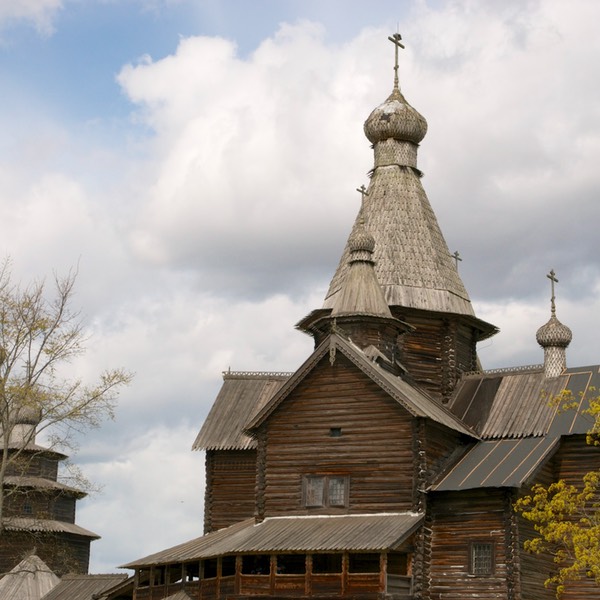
(361, 293)
(395, 119)
(554, 333)
(361, 243)
(554, 337)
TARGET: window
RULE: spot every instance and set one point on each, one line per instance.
(192, 571)
(325, 490)
(210, 568)
(481, 558)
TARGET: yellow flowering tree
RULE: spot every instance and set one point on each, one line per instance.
(567, 517)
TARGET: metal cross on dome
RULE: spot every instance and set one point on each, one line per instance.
(456, 256)
(552, 277)
(395, 39)
(362, 190)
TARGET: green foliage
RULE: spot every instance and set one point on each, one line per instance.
(567, 517)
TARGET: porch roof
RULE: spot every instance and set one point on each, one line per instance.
(324, 533)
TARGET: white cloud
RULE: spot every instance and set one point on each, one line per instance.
(40, 13)
(160, 468)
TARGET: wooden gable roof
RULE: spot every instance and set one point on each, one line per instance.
(242, 395)
(29, 580)
(84, 587)
(412, 399)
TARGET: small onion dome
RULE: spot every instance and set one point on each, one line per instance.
(27, 415)
(361, 241)
(554, 334)
(396, 119)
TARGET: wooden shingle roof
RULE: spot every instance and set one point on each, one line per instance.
(242, 395)
(412, 261)
(84, 587)
(29, 580)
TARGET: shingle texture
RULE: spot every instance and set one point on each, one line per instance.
(412, 261)
(83, 587)
(240, 398)
(29, 580)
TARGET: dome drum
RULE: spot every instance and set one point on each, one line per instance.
(395, 152)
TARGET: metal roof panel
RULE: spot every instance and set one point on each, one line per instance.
(498, 463)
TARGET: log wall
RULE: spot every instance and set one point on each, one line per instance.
(230, 487)
(457, 520)
(63, 553)
(440, 348)
(375, 448)
(40, 504)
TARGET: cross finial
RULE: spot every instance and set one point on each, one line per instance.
(395, 39)
(362, 190)
(457, 258)
(552, 277)
(363, 194)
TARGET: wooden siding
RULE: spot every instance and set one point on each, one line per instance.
(230, 487)
(375, 447)
(459, 519)
(438, 351)
(40, 504)
(34, 464)
(63, 553)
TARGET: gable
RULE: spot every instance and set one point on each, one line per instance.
(414, 400)
(338, 423)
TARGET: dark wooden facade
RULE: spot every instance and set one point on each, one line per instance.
(39, 516)
(373, 445)
(230, 485)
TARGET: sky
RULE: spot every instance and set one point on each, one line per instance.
(197, 162)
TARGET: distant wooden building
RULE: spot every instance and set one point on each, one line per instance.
(39, 510)
(388, 463)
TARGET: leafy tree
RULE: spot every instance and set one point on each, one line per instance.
(566, 516)
(39, 335)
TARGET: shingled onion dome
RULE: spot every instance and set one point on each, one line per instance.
(396, 119)
(554, 338)
(361, 293)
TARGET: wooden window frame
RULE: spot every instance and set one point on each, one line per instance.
(326, 481)
(472, 559)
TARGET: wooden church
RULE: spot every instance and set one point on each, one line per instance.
(387, 465)
(39, 510)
